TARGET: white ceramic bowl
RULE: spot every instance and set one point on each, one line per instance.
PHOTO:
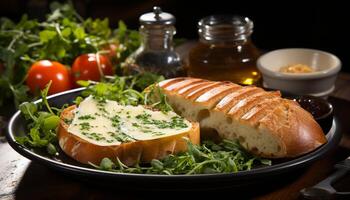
(318, 83)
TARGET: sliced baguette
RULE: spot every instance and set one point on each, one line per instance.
(264, 123)
(141, 151)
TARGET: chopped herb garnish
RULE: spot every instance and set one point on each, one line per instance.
(135, 124)
(68, 121)
(144, 117)
(86, 117)
(121, 137)
(94, 136)
(115, 121)
(176, 122)
(102, 109)
(85, 126)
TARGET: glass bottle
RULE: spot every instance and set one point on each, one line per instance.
(225, 51)
(156, 53)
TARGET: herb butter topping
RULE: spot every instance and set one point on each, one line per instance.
(105, 122)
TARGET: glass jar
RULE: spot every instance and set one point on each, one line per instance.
(225, 51)
(156, 53)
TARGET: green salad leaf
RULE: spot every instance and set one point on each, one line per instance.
(62, 36)
(42, 124)
(126, 90)
(208, 158)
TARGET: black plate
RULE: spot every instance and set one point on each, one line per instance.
(17, 127)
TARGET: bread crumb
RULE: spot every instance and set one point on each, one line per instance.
(296, 69)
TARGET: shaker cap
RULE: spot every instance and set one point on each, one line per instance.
(157, 17)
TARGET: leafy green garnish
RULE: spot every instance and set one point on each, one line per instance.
(126, 90)
(42, 124)
(155, 97)
(62, 37)
(175, 122)
(130, 40)
(208, 158)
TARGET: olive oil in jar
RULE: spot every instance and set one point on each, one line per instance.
(225, 51)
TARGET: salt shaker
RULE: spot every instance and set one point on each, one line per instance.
(156, 53)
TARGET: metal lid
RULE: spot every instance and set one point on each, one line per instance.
(157, 17)
(225, 27)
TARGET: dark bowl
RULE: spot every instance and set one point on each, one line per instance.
(320, 109)
(256, 176)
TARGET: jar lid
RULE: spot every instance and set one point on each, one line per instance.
(157, 17)
(229, 27)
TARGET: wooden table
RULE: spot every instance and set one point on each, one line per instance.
(22, 179)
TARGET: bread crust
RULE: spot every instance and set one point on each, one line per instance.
(285, 122)
(129, 153)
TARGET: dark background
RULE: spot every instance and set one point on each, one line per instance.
(280, 24)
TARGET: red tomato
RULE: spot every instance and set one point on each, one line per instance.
(85, 67)
(41, 72)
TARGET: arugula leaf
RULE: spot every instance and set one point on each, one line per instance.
(50, 123)
(208, 158)
(106, 164)
(19, 92)
(123, 89)
(143, 80)
(42, 125)
(154, 97)
(51, 149)
(28, 110)
(44, 93)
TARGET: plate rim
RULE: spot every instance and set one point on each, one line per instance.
(332, 141)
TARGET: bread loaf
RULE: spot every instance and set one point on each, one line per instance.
(266, 124)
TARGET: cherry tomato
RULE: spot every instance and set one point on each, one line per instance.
(41, 72)
(85, 67)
